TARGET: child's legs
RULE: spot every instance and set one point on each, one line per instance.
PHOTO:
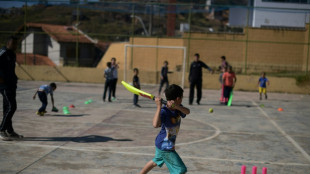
(161, 85)
(174, 162)
(156, 161)
(260, 90)
(148, 167)
(222, 93)
(135, 99)
(227, 91)
(199, 90)
(43, 99)
(111, 89)
(167, 83)
(114, 83)
(191, 92)
(106, 85)
(264, 91)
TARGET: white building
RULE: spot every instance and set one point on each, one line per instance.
(271, 13)
(58, 43)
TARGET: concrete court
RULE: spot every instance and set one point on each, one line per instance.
(117, 138)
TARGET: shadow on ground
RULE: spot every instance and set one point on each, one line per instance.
(84, 139)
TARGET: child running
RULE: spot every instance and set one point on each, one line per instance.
(42, 92)
(262, 85)
(229, 81)
(169, 119)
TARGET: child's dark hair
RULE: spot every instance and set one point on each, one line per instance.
(197, 55)
(109, 64)
(53, 85)
(12, 38)
(173, 91)
(166, 62)
(113, 58)
(136, 69)
(223, 57)
(229, 67)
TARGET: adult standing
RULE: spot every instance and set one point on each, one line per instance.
(195, 78)
(8, 85)
(115, 67)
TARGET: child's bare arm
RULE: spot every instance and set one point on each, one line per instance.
(34, 96)
(182, 109)
(156, 119)
(52, 98)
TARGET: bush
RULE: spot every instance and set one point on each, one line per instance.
(302, 80)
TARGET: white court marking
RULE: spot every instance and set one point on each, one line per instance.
(91, 149)
(290, 139)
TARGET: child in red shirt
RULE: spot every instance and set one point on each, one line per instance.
(229, 81)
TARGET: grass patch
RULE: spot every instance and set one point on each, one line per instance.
(302, 80)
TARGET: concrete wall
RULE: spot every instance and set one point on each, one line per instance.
(257, 49)
(115, 50)
(95, 75)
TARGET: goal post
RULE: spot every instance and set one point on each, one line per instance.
(156, 46)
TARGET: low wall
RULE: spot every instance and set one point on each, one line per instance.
(95, 75)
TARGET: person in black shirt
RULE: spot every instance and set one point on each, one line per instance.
(164, 76)
(195, 78)
(136, 84)
(8, 85)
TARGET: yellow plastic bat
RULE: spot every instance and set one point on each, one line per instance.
(140, 92)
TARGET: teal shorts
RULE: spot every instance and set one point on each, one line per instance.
(172, 160)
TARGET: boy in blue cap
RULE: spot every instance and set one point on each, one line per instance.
(169, 119)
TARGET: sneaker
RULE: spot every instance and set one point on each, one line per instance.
(40, 113)
(114, 99)
(14, 135)
(4, 136)
(266, 97)
(44, 112)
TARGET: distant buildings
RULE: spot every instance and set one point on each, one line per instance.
(271, 13)
(63, 45)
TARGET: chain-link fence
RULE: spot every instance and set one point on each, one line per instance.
(255, 36)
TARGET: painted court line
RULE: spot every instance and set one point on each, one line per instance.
(92, 149)
(296, 145)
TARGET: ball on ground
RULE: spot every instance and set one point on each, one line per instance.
(211, 110)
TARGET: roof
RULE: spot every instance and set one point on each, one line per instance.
(61, 33)
(103, 46)
(34, 59)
